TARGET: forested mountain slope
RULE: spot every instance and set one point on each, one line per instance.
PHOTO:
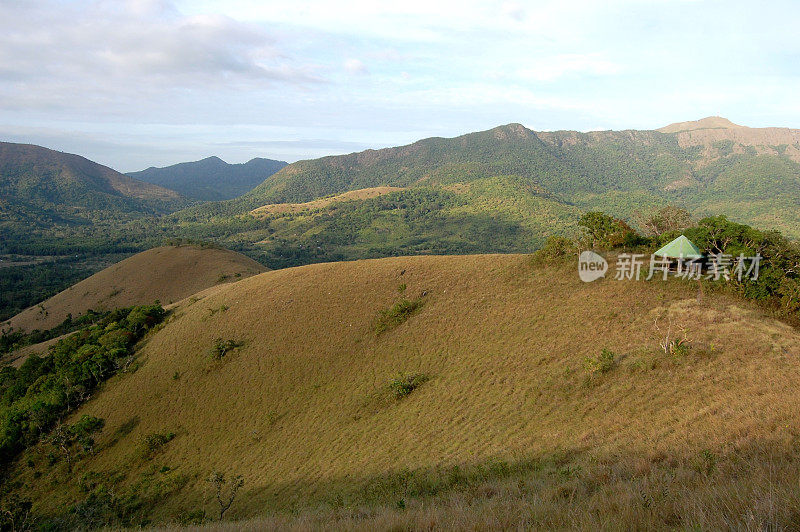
(211, 179)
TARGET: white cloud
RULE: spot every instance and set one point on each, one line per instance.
(51, 53)
(355, 66)
(133, 70)
(513, 10)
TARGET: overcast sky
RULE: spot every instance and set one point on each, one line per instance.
(143, 83)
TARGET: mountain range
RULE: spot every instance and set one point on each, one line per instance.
(506, 190)
(502, 190)
(211, 179)
(707, 166)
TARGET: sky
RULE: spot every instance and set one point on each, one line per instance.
(139, 83)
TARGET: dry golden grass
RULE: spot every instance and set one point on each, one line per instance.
(711, 439)
(167, 274)
(352, 195)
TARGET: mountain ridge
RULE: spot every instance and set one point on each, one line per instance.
(211, 178)
(44, 186)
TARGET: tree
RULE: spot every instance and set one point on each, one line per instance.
(607, 232)
(218, 481)
(82, 433)
(15, 514)
(664, 220)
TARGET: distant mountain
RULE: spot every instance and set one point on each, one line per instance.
(40, 187)
(707, 166)
(211, 179)
(507, 189)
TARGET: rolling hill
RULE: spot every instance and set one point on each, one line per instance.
(167, 274)
(448, 392)
(211, 179)
(41, 188)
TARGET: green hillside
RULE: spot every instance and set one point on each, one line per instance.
(502, 190)
(42, 187)
(617, 171)
(506, 190)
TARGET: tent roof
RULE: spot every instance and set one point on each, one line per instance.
(681, 247)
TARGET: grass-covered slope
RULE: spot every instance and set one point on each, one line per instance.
(500, 214)
(167, 274)
(508, 413)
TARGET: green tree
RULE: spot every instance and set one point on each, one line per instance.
(607, 232)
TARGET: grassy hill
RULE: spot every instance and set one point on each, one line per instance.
(167, 274)
(211, 179)
(509, 411)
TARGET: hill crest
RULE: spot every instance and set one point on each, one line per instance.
(710, 122)
(33, 156)
(167, 274)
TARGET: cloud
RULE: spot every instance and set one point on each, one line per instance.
(169, 79)
(53, 53)
(355, 66)
(513, 10)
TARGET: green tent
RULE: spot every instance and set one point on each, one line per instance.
(681, 247)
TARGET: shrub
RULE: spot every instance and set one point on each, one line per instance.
(679, 348)
(606, 232)
(402, 385)
(396, 314)
(554, 249)
(153, 442)
(708, 462)
(223, 347)
(602, 363)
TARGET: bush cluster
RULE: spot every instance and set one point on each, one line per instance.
(602, 363)
(35, 396)
(396, 314)
(403, 384)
